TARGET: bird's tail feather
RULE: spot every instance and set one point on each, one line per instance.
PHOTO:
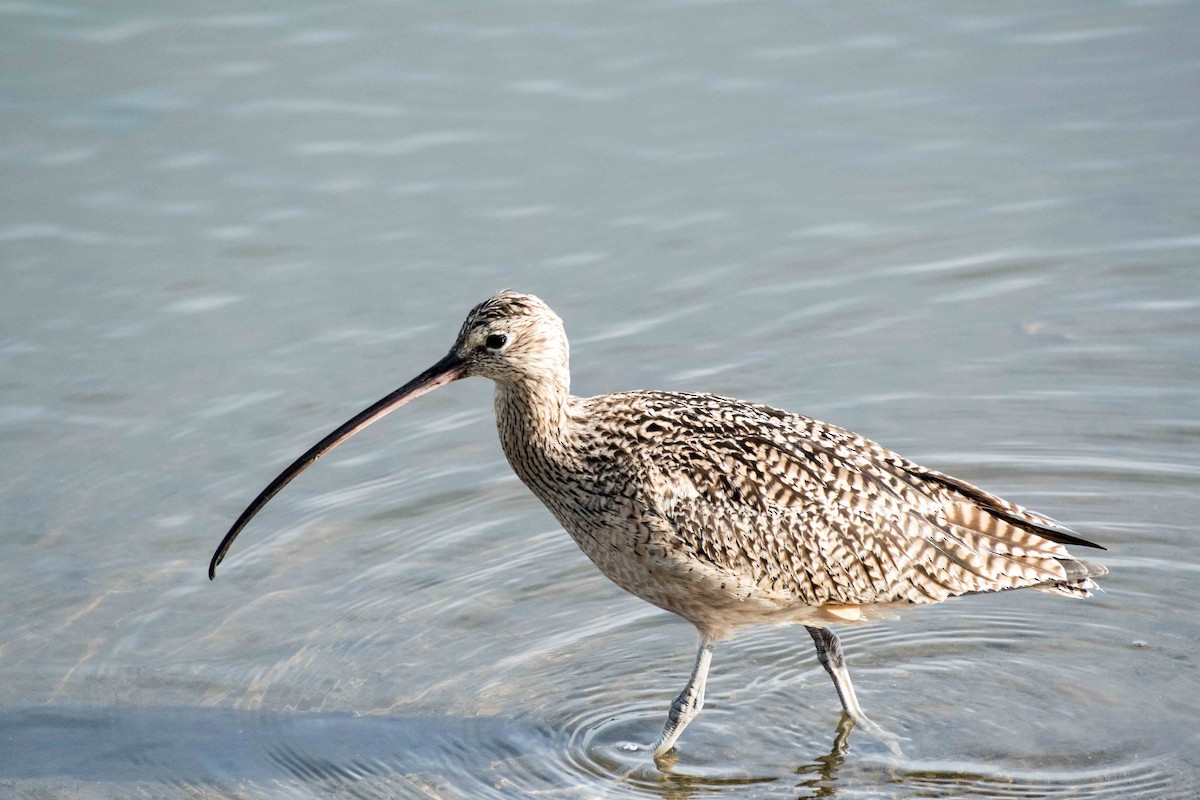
(1079, 581)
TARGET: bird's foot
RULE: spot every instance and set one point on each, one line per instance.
(866, 724)
(666, 760)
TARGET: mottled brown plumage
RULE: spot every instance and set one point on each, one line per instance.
(730, 513)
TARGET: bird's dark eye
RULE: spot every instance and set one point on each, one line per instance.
(495, 341)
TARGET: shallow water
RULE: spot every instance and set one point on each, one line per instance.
(970, 233)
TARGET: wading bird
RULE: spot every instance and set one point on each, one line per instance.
(729, 513)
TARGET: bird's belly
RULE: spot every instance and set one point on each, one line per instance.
(639, 557)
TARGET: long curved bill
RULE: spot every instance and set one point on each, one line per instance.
(445, 371)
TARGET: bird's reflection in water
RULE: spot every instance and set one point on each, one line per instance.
(819, 777)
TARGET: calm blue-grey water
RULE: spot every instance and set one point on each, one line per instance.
(968, 231)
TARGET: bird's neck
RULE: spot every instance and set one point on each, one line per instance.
(532, 417)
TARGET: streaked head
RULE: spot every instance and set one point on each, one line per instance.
(512, 337)
(509, 337)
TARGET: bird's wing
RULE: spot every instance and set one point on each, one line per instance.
(814, 513)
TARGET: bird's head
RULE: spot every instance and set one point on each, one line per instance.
(511, 338)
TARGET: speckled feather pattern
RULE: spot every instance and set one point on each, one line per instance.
(731, 513)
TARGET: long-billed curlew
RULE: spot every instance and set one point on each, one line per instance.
(725, 512)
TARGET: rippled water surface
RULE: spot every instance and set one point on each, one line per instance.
(968, 231)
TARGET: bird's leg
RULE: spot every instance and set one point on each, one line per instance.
(829, 653)
(687, 705)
